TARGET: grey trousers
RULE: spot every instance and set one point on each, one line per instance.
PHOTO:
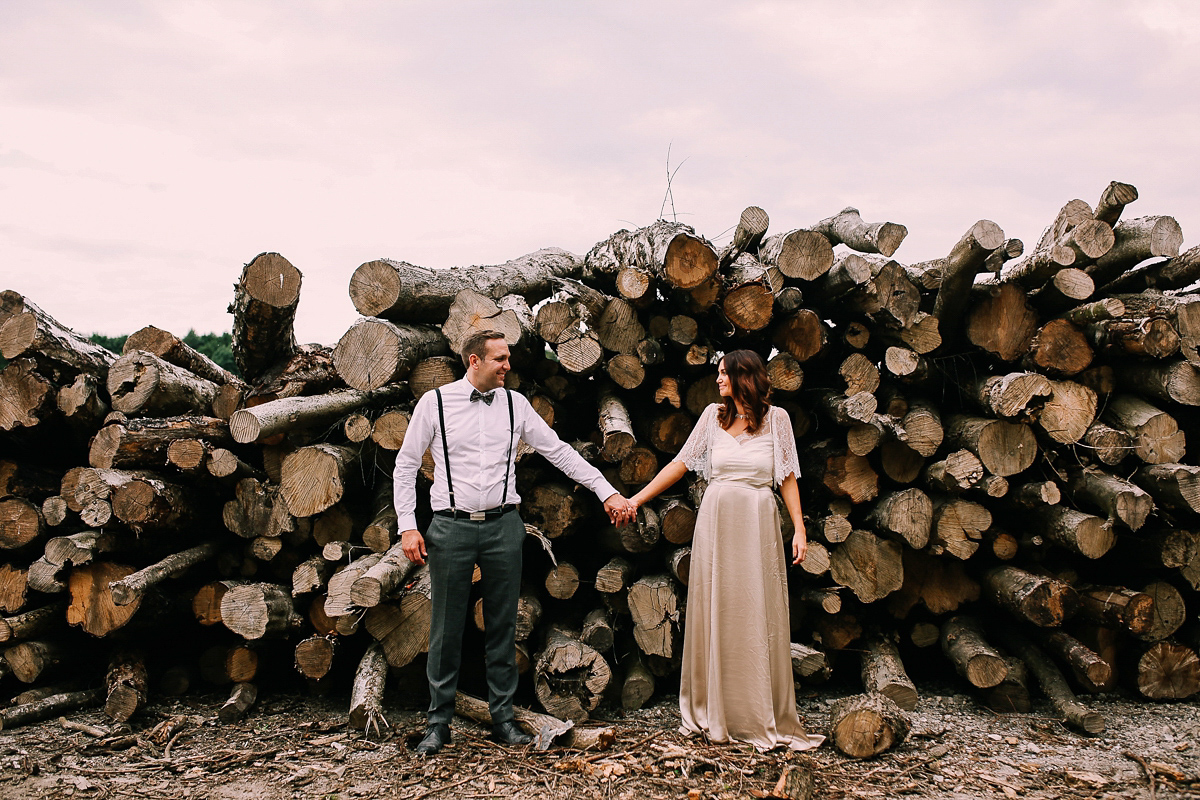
(454, 547)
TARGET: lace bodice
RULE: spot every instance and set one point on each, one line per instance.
(696, 453)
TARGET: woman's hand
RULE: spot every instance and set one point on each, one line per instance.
(799, 544)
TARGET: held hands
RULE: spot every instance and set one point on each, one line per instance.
(413, 545)
(620, 510)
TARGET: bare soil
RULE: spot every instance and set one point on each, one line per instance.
(300, 747)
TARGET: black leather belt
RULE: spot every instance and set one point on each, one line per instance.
(478, 516)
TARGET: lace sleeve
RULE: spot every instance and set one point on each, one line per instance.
(784, 441)
(695, 453)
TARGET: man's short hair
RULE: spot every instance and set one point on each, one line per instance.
(476, 345)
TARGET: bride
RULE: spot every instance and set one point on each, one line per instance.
(737, 672)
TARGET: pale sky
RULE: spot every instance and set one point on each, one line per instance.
(149, 149)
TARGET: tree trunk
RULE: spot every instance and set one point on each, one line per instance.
(258, 610)
(964, 261)
(402, 626)
(800, 254)
(314, 477)
(883, 672)
(1003, 323)
(556, 509)
(847, 227)
(241, 698)
(654, 604)
(956, 473)
(570, 677)
(264, 308)
(132, 587)
(374, 352)
(907, 513)
(638, 685)
(30, 332)
(1005, 448)
(1010, 696)
(1053, 684)
(1175, 486)
(1168, 671)
(1107, 444)
(614, 576)
(867, 565)
(544, 728)
(1156, 436)
(1045, 602)
(1117, 498)
(1092, 672)
(1135, 241)
(48, 707)
(151, 504)
(366, 693)
(616, 428)
(1177, 382)
(127, 687)
(562, 581)
(1069, 412)
(314, 657)
(801, 335)
(964, 644)
(170, 348)
(1170, 612)
(865, 725)
(278, 416)
(32, 623)
(144, 442)
(1117, 607)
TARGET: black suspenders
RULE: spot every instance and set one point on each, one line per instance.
(446, 449)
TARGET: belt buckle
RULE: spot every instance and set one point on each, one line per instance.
(478, 516)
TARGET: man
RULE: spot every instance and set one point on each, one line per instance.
(473, 426)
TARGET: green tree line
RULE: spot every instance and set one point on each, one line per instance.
(217, 346)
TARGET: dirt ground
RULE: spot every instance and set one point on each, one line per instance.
(300, 747)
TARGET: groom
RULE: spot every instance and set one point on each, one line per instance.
(473, 426)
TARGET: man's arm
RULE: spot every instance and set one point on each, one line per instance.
(538, 435)
(417, 439)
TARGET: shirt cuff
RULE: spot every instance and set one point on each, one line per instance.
(406, 523)
(604, 490)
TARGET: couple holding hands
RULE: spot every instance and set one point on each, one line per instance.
(736, 673)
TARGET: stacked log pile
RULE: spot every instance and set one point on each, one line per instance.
(994, 454)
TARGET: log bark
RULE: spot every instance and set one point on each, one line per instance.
(264, 307)
(1044, 601)
(1011, 696)
(241, 699)
(670, 251)
(402, 626)
(27, 331)
(638, 685)
(151, 504)
(616, 427)
(1074, 713)
(956, 473)
(865, 725)
(1135, 241)
(883, 672)
(144, 442)
(366, 693)
(964, 261)
(1156, 436)
(1118, 607)
(1117, 498)
(847, 227)
(132, 587)
(170, 348)
(277, 416)
(1080, 533)
(1177, 382)
(1091, 671)
(48, 707)
(965, 645)
(32, 623)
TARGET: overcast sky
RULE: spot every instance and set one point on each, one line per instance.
(149, 149)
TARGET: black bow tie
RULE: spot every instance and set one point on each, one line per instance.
(486, 397)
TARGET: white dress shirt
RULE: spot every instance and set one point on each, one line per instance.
(477, 436)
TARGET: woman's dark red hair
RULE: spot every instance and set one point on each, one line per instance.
(750, 386)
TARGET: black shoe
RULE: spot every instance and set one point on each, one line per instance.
(437, 736)
(510, 733)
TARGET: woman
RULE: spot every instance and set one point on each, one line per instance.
(737, 670)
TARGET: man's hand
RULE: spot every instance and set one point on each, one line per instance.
(413, 545)
(619, 510)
